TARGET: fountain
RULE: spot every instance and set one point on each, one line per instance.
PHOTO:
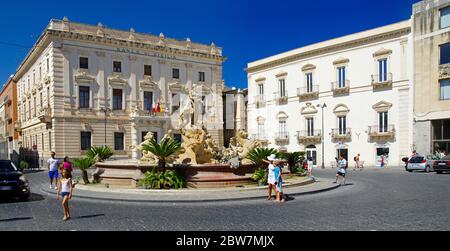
(200, 161)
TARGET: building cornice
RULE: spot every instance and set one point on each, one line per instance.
(332, 47)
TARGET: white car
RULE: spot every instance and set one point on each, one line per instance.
(421, 163)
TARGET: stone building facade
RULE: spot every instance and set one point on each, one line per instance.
(364, 81)
(431, 28)
(9, 137)
(84, 85)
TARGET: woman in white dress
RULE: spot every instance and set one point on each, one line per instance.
(271, 176)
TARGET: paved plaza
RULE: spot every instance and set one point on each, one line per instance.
(373, 200)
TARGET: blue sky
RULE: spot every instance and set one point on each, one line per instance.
(248, 30)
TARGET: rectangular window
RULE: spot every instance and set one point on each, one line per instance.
(382, 70)
(444, 53)
(85, 141)
(34, 106)
(175, 73)
(383, 122)
(342, 77)
(48, 65)
(342, 125)
(117, 67)
(84, 97)
(309, 83)
(282, 128)
(201, 77)
(148, 101)
(261, 132)
(445, 89)
(261, 89)
(118, 141)
(41, 100)
(310, 127)
(84, 63)
(445, 17)
(117, 99)
(175, 102)
(147, 70)
(282, 83)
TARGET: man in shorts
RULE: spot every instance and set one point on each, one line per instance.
(53, 166)
(342, 169)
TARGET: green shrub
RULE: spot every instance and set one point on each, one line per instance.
(163, 180)
(260, 176)
(84, 164)
(293, 159)
(24, 165)
(100, 153)
(163, 150)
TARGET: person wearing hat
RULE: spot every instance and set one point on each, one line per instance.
(271, 176)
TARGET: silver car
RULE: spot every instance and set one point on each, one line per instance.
(421, 163)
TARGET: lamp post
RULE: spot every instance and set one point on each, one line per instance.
(323, 133)
(105, 110)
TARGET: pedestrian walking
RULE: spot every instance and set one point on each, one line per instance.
(279, 181)
(65, 190)
(358, 163)
(271, 175)
(310, 167)
(382, 162)
(53, 166)
(67, 166)
(342, 169)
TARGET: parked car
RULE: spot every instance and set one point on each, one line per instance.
(422, 163)
(12, 182)
(442, 165)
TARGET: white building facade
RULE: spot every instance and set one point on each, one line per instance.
(85, 85)
(365, 82)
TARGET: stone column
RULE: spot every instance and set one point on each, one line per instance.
(134, 140)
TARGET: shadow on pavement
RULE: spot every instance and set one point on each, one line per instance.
(89, 216)
(16, 219)
(33, 198)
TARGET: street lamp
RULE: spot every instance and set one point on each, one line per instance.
(105, 110)
(323, 133)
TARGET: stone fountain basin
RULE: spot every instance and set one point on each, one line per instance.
(128, 174)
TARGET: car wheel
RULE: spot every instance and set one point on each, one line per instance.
(439, 172)
(427, 169)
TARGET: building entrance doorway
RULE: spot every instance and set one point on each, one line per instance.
(311, 152)
(342, 152)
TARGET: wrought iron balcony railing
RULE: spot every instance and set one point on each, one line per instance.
(382, 81)
(340, 88)
(311, 92)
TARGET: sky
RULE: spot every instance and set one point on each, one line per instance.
(247, 30)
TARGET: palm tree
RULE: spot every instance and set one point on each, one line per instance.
(164, 150)
(100, 153)
(293, 159)
(258, 155)
(84, 164)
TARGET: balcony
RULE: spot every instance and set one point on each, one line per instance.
(260, 101)
(281, 99)
(282, 138)
(339, 89)
(259, 137)
(379, 82)
(309, 137)
(382, 133)
(45, 115)
(341, 134)
(18, 126)
(305, 93)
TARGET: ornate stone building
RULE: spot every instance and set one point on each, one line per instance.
(9, 137)
(431, 26)
(348, 95)
(84, 85)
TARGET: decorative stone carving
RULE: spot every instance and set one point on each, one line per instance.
(132, 36)
(240, 146)
(117, 80)
(161, 40)
(382, 52)
(382, 106)
(148, 84)
(84, 77)
(308, 67)
(341, 110)
(308, 109)
(444, 71)
(341, 61)
(100, 30)
(198, 147)
(188, 44)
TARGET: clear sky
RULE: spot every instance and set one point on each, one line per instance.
(248, 30)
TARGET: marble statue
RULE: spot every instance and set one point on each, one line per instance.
(198, 147)
(240, 146)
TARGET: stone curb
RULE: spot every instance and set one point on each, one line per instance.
(330, 187)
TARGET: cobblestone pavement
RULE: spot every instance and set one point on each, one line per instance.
(374, 200)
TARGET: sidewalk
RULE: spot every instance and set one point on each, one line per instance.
(195, 196)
